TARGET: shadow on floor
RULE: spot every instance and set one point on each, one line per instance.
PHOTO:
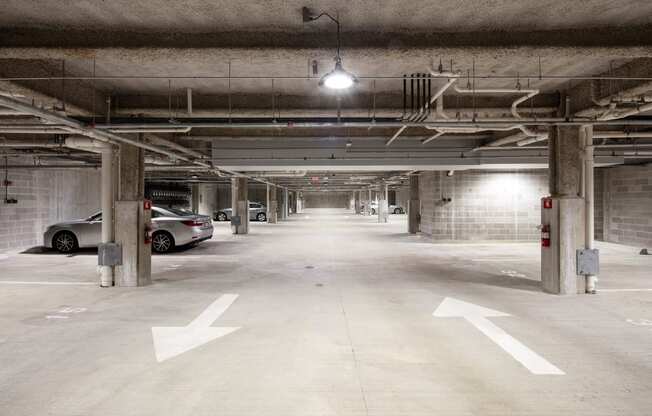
(467, 275)
(88, 251)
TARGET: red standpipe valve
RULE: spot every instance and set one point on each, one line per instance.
(545, 235)
(148, 234)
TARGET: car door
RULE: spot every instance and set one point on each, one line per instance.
(89, 232)
(253, 210)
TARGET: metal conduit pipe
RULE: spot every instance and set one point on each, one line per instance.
(297, 174)
(21, 144)
(589, 207)
(45, 130)
(529, 93)
(488, 123)
(76, 126)
(596, 135)
(395, 136)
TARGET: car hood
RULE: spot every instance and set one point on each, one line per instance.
(69, 223)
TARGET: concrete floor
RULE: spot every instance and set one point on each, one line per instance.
(336, 318)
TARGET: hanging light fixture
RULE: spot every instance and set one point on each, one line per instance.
(338, 78)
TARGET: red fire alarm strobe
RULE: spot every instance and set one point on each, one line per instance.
(547, 203)
(147, 204)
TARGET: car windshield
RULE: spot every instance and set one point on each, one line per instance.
(174, 212)
(95, 217)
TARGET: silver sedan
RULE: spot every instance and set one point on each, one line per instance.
(172, 228)
(257, 212)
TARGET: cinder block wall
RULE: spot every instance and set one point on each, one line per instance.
(627, 205)
(485, 205)
(45, 197)
(327, 199)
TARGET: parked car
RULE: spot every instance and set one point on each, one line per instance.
(392, 209)
(172, 228)
(257, 212)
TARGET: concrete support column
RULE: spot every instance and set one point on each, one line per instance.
(194, 191)
(300, 203)
(357, 206)
(272, 209)
(414, 206)
(383, 207)
(132, 220)
(367, 205)
(589, 200)
(294, 202)
(284, 211)
(240, 205)
(565, 218)
(107, 177)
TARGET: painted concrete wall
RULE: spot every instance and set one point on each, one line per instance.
(484, 205)
(402, 196)
(327, 199)
(45, 197)
(207, 199)
(627, 205)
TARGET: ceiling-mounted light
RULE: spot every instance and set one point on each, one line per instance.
(338, 78)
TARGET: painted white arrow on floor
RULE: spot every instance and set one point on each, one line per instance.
(170, 341)
(477, 316)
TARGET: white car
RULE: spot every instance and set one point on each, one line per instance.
(257, 212)
(172, 228)
(392, 209)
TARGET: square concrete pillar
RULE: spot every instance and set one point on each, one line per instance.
(357, 205)
(414, 206)
(131, 219)
(194, 203)
(131, 222)
(239, 205)
(272, 208)
(564, 217)
(383, 207)
(284, 205)
(300, 203)
(367, 203)
(565, 222)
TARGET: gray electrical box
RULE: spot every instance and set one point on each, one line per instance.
(109, 254)
(588, 261)
(236, 220)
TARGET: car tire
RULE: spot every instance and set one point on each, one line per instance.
(373, 211)
(162, 242)
(261, 216)
(220, 216)
(65, 242)
(398, 211)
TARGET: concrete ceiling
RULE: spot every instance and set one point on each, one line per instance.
(146, 54)
(284, 15)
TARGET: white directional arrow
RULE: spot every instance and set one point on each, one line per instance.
(170, 341)
(477, 316)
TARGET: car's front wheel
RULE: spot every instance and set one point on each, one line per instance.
(65, 242)
(373, 211)
(220, 216)
(162, 242)
(398, 211)
(261, 217)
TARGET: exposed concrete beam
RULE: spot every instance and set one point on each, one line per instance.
(71, 37)
(586, 97)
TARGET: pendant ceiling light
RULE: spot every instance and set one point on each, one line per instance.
(338, 78)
